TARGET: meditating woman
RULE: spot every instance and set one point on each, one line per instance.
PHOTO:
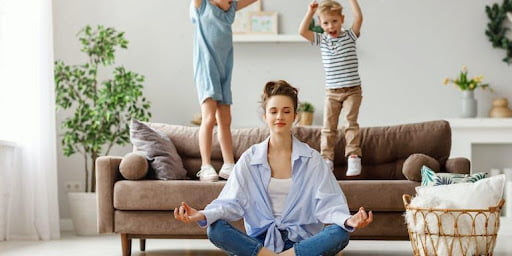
(284, 192)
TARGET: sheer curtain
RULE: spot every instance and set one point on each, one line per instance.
(28, 167)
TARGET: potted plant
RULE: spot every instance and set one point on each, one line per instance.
(306, 111)
(99, 111)
(467, 86)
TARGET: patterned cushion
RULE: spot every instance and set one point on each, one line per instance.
(431, 178)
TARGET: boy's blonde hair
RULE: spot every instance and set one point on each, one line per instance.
(329, 6)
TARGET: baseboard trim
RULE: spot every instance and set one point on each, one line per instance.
(66, 225)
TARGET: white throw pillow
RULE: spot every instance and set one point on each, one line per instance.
(482, 194)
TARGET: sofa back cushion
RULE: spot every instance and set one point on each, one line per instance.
(384, 148)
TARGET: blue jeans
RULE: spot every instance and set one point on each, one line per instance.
(331, 240)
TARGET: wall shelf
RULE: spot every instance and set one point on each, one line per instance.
(480, 122)
(467, 132)
(257, 38)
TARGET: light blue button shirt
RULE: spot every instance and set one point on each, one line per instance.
(315, 197)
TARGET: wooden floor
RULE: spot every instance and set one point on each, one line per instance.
(110, 245)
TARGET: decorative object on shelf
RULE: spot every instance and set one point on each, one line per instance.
(263, 22)
(196, 119)
(241, 24)
(500, 108)
(496, 28)
(469, 104)
(315, 28)
(467, 86)
(306, 111)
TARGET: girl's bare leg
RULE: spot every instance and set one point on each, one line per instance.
(224, 132)
(208, 110)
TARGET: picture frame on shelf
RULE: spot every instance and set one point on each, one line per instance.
(241, 23)
(263, 22)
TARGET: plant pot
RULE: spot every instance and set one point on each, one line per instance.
(305, 118)
(468, 104)
(84, 213)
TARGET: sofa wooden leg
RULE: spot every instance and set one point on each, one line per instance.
(126, 244)
(142, 245)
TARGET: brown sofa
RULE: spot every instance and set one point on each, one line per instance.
(142, 208)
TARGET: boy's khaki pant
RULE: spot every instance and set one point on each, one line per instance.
(348, 99)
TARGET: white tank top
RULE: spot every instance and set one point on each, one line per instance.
(278, 191)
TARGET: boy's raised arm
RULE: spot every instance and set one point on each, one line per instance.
(244, 3)
(304, 25)
(358, 17)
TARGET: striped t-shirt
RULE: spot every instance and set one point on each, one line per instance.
(340, 59)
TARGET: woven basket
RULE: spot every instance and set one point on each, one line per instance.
(452, 231)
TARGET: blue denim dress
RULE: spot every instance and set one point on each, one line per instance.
(213, 51)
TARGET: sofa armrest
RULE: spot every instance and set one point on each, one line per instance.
(107, 168)
(458, 165)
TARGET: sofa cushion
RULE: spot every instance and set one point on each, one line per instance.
(431, 178)
(134, 166)
(384, 148)
(376, 195)
(413, 164)
(479, 195)
(164, 195)
(159, 150)
(186, 140)
(159, 222)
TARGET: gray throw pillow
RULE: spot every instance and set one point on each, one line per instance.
(159, 150)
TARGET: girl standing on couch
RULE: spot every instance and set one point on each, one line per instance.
(213, 64)
(284, 192)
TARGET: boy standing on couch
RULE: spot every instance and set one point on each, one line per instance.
(342, 82)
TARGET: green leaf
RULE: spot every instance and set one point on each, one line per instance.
(497, 29)
(100, 110)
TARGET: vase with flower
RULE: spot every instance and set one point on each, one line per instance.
(467, 86)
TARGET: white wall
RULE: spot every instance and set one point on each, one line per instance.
(406, 49)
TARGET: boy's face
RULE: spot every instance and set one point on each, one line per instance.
(331, 23)
(223, 4)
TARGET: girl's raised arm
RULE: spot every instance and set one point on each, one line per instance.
(242, 3)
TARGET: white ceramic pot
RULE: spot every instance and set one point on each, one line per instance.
(84, 213)
(468, 104)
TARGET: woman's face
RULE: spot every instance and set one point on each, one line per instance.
(279, 114)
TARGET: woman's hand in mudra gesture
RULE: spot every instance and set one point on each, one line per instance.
(361, 219)
(187, 214)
